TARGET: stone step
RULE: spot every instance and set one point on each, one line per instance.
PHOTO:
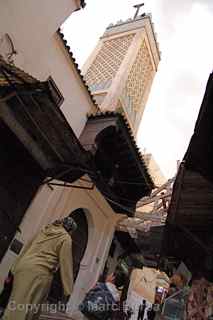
(55, 316)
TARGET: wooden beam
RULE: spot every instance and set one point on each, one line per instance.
(194, 238)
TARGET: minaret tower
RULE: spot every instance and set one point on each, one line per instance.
(121, 69)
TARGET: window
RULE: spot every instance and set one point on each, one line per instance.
(56, 94)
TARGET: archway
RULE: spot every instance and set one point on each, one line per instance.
(79, 239)
(79, 245)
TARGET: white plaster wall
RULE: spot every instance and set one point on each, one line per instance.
(32, 28)
(32, 25)
(35, 21)
(49, 205)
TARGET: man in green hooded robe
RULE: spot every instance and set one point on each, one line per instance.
(34, 269)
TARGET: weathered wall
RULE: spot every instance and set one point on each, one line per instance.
(50, 205)
(32, 26)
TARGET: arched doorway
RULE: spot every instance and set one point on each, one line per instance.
(79, 245)
(80, 239)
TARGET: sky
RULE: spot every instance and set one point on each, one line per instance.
(183, 30)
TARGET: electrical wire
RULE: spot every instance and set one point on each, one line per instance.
(139, 202)
(129, 182)
(91, 172)
(120, 197)
(118, 204)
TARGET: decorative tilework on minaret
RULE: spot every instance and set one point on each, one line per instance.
(106, 64)
(122, 67)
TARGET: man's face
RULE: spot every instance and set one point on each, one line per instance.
(110, 278)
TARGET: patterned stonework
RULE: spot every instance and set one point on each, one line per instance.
(137, 82)
(107, 62)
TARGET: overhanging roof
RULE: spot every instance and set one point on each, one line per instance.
(192, 198)
(199, 156)
(29, 110)
(126, 179)
(190, 216)
(192, 201)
